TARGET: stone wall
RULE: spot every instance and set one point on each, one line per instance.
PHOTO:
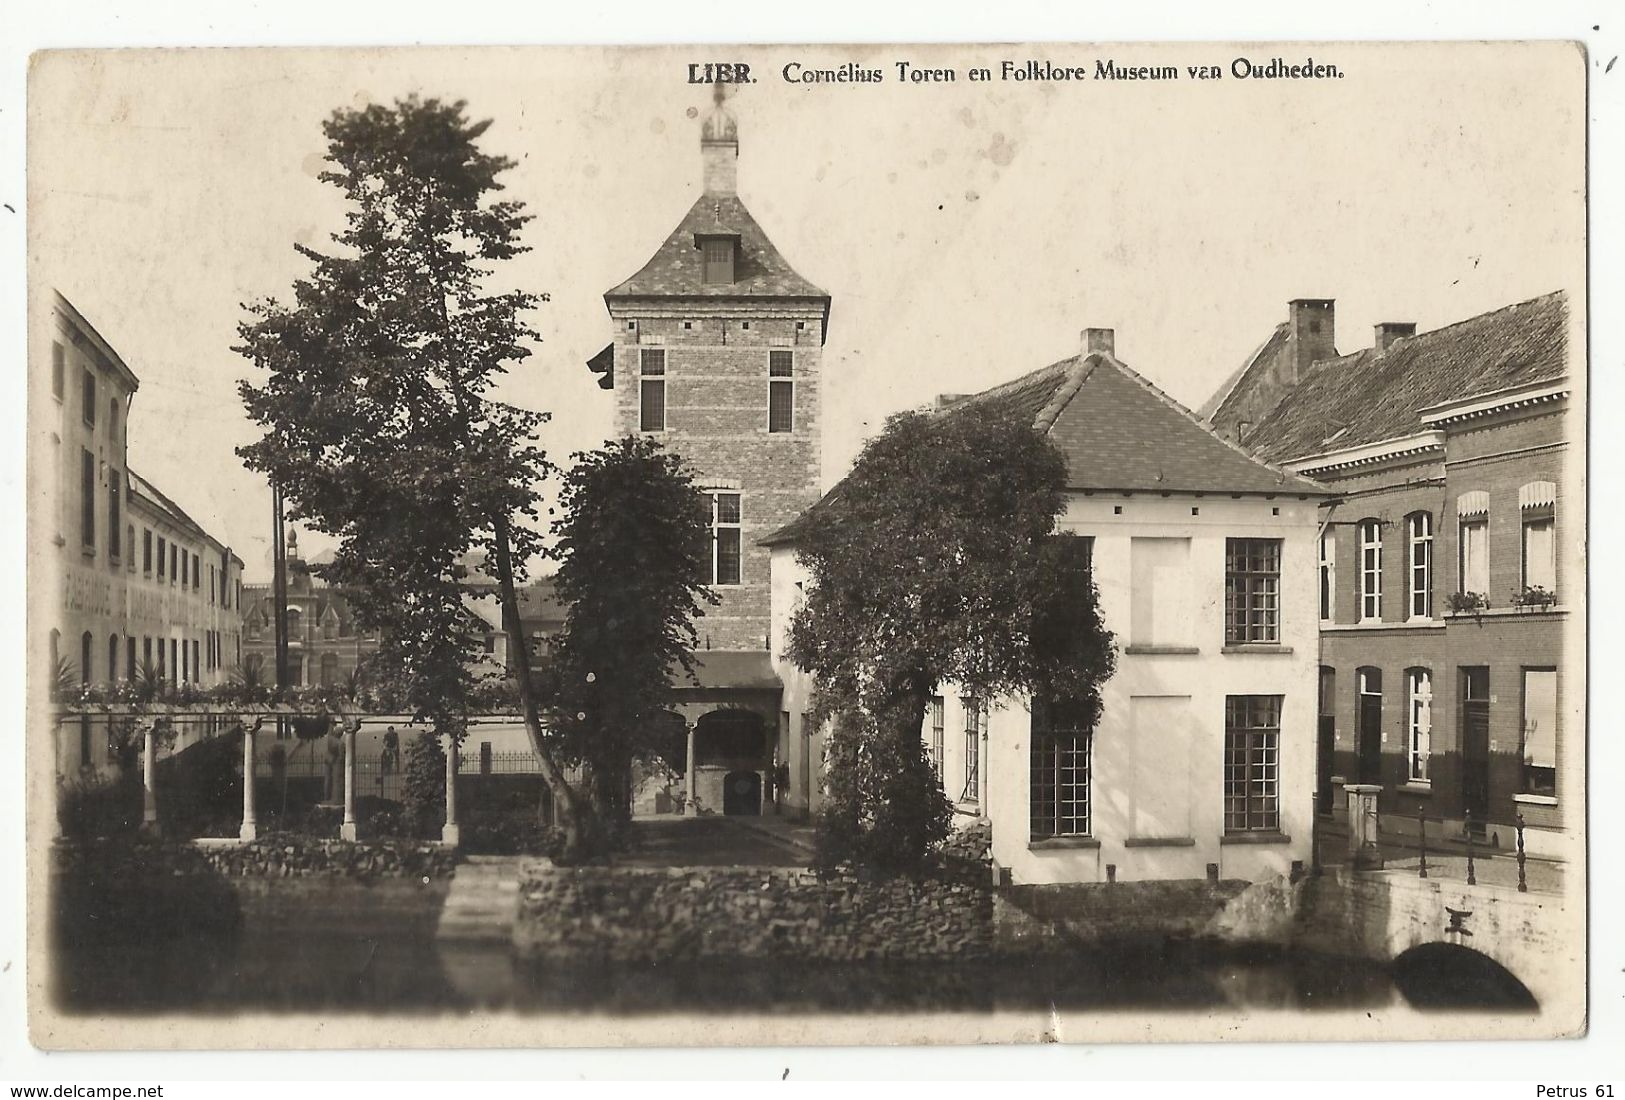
(1056, 917)
(638, 914)
(274, 858)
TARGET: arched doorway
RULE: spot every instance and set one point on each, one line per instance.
(730, 761)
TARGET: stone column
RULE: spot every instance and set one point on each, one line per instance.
(149, 777)
(1362, 803)
(347, 830)
(688, 774)
(451, 835)
(250, 828)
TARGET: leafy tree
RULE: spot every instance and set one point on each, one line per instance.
(632, 550)
(937, 561)
(376, 400)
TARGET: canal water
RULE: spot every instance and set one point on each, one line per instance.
(370, 948)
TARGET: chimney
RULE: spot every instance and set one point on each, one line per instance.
(1390, 332)
(719, 148)
(1312, 329)
(1098, 340)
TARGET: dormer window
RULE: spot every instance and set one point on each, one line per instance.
(719, 260)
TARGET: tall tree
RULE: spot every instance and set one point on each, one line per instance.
(937, 561)
(380, 424)
(632, 550)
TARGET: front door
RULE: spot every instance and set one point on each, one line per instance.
(1324, 763)
(1370, 725)
(1475, 743)
(742, 793)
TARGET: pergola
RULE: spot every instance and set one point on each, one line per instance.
(251, 717)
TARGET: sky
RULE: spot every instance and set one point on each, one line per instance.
(966, 232)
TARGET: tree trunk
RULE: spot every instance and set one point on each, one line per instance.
(569, 805)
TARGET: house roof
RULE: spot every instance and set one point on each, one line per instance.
(1118, 432)
(677, 268)
(1263, 353)
(1367, 396)
(172, 511)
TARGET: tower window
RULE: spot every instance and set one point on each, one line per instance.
(652, 390)
(727, 538)
(781, 391)
(88, 383)
(59, 359)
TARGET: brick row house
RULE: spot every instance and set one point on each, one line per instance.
(126, 579)
(1451, 584)
(1202, 762)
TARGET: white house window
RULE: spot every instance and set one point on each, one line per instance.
(1539, 740)
(1252, 788)
(1419, 526)
(781, 391)
(1328, 575)
(1370, 570)
(726, 538)
(1252, 590)
(935, 716)
(975, 730)
(1059, 794)
(1419, 697)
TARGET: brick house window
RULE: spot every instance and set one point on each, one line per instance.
(129, 543)
(87, 381)
(197, 574)
(1252, 590)
(87, 503)
(174, 562)
(185, 576)
(1252, 736)
(975, 730)
(1419, 528)
(1059, 792)
(1475, 554)
(1328, 576)
(59, 367)
(1370, 570)
(1538, 740)
(129, 658)
(781, 391)
(652, 389)
(1419, 722)
(727, 538)
(1538, 501)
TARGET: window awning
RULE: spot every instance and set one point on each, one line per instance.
(1538, 494)
(1475, 503)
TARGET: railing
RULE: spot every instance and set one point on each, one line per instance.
(1451, 848)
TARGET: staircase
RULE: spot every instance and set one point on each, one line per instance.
(483, 902)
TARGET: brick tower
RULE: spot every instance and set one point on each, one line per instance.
(715, 352)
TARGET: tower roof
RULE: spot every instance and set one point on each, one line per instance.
(677, 267)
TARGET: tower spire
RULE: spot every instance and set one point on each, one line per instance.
(719, 145)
